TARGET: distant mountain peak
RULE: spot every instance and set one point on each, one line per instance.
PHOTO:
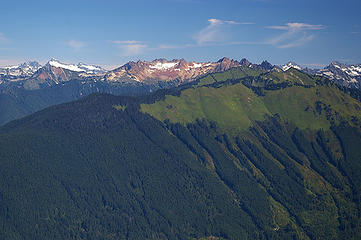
(224, 59)
(348, 75)
(266, 65)
(22, 70)
(168, 70)
(80, 67)
(289, 65)
(336, 63)
(245, 62)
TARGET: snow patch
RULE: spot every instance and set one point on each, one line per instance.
(70, 67)
(352, 73)
(163, 66)
(89, 67)
(290, 65)
(196, 65)
(11, 67)
(356, 68)
(330, 74)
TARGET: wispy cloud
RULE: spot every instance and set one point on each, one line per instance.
(76, 45)
(173, 46)
(2, 37)
(298, 42)
(294, 35)
(169, 46)
(126, 42)
(131, 47)
(297, 27)
(217, 31)
(314, 65)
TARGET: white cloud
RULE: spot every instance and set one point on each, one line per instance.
(130, 47)
(216, 31)
(167, 46)
(133, 49)
(170, 46)
(314, 65)
(294, 35)
(125, 42)
(297, 27)
(2, 37)
(76, 45)
(299, 42)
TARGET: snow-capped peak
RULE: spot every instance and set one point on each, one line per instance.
(80, 67)
(196, 65)
(11, 67)
(22, 70)
(336, 64)
(289, 65)
(344, 74)
(55, 63)
(163, 65)
(91, 68)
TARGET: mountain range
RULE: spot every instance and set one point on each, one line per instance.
(34, 75)
(343, 74)
(246, 153)
(163, 70)
(29, 87)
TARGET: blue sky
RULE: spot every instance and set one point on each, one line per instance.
(110, 33)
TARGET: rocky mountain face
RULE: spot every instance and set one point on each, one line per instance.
(343, 74)
(289, 65)
(156, 71)
(164, 70)
(80, 67)
(18, 72)
(55, 72)
(49, 75)
(22, 70)
(31, 75)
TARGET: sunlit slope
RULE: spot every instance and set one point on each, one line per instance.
(232, 107)
(295, 96)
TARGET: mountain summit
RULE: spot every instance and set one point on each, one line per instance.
(22, 70)
(344, 74)
(289, 65)
(80, 67)
(168, 70)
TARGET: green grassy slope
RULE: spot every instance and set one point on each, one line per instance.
(235, 107)
(232, 107)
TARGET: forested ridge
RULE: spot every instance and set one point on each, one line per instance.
(233, 155)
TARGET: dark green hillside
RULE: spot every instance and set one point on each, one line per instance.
(17, 102)
(270, 156)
